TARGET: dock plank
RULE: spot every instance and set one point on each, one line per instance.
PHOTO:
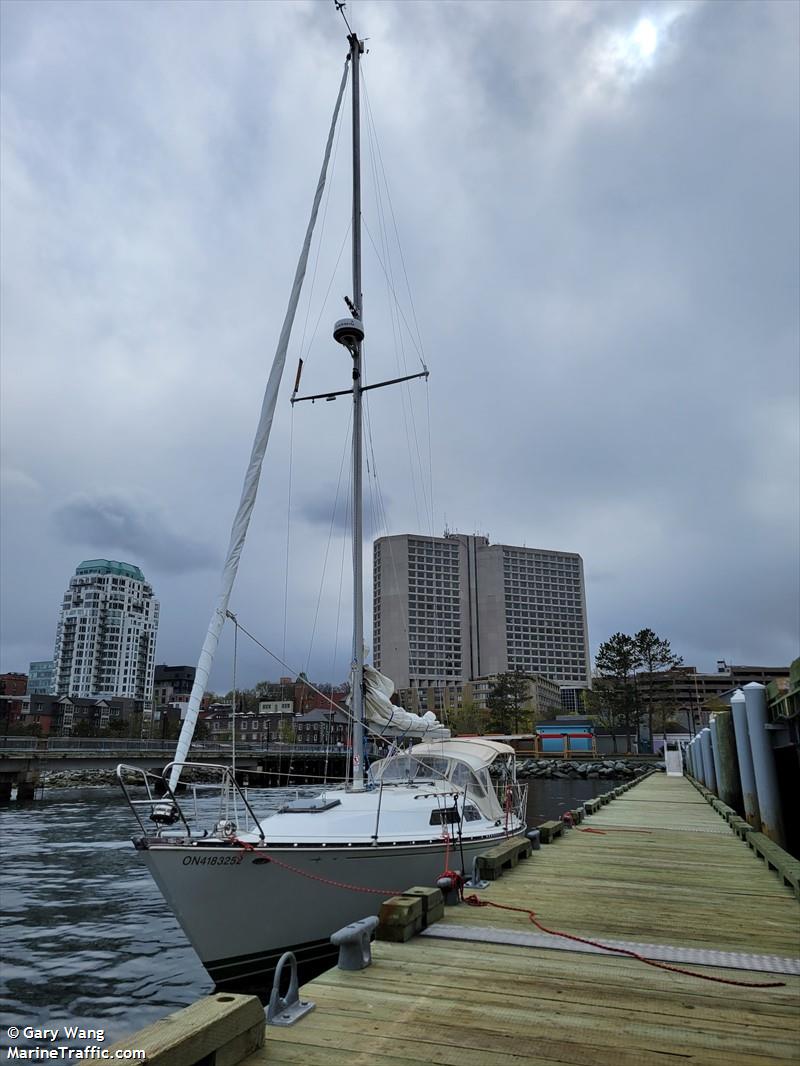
(687, 880)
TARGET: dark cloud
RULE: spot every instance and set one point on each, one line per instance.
(600, 229)
(332, 513)
(109, 524)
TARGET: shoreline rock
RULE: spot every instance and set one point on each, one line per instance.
(564, 769)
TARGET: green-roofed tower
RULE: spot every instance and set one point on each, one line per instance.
(106, 636)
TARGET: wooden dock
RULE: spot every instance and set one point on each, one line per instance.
(657, 866)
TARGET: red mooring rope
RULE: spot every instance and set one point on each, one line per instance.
(475, 901)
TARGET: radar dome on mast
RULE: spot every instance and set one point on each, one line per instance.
(349, 332)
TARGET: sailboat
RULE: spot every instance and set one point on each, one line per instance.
(257, 884)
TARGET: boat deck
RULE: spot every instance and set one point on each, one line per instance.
(664, 869)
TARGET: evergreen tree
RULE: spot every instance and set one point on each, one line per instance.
(655, 655)
(617, 660)
(506, 700)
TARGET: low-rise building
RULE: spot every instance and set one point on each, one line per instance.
(276, 707)
(81, 715)
(13, 684)
(321, 726)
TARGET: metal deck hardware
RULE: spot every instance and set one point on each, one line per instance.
(288, 1009)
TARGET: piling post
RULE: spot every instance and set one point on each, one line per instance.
(709, 780)
(697, 760)
(27, 782)
(715, 756)
(766, 775)
(730, 790)
(745, 759)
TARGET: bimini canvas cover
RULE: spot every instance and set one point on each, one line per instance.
(389, 719)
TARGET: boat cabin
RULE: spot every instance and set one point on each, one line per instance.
(477, 768)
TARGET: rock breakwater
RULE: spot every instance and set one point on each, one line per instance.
(568, 769)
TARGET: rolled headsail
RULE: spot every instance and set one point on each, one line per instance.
(252, 477)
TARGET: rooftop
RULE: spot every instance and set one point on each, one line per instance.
(109, 566)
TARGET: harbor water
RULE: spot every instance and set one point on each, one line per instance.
(86, 938)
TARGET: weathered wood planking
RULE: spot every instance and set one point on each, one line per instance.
(687, 881)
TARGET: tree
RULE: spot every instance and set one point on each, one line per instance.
(655, 655)
(506, 700)
(286, 732)
(616, 661)
(85, 728)
(468, 718)
(599, 702)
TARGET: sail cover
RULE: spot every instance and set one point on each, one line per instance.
(387, 718)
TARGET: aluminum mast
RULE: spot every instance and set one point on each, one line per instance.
(357, 683)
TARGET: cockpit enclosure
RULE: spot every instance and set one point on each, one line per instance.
(483, 771)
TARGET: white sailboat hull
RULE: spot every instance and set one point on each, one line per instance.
(241, 909)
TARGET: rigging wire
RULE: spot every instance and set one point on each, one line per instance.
(394, 220)
(399, 349)
(320, 240)
(420, 346)
(288, 528)
(232, 617)
(328, 545)
(327, 292)
(345, 710)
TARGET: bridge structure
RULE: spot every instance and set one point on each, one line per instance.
(24, 759)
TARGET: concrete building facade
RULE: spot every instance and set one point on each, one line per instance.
(449, 609)
(106, 635)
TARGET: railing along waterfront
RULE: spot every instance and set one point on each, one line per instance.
(108, 745)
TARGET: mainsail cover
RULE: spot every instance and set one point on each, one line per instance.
(253, 475)
(387, 718)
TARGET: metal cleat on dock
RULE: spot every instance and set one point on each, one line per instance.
(354, 943)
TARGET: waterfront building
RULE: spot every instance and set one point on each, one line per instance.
(41, 678)
(87, 716)
(453, 608)
(321, 726)
(172, 684)
(13, 684)
(106, 635)
(276, 707)
(685, 695)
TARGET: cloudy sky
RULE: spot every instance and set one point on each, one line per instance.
(597, 206)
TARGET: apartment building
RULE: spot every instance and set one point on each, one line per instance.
(106, 635)
(172, 684)
(453, 608)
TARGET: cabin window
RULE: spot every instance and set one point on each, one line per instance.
(446, 817)
(471, 814)
(464, 778)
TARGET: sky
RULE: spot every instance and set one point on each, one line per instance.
(585, 222)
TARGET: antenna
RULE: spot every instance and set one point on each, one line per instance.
(340, 6)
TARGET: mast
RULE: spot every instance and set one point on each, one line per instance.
(357, 686)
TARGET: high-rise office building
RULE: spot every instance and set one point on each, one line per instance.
(106, 636)
(448, 609)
